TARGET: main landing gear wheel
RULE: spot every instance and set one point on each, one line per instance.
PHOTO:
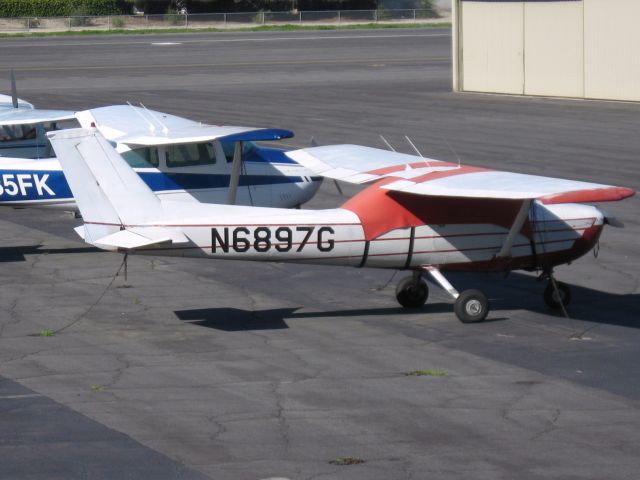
(471, 306)
(412, 292)
(557, 299)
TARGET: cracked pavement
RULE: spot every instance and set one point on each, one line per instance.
(235, 370)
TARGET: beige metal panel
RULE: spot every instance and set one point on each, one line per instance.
(553, 49)
(492, 46)
(612, 49)
(455, 40)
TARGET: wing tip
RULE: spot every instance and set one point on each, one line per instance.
(609, 194)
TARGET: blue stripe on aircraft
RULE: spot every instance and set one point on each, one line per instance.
(194, 181)
(261, 134)
(22, 185)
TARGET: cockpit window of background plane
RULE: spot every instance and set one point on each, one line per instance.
(190, 154)
(146, 157)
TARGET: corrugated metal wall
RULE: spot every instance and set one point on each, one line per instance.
(568, 48)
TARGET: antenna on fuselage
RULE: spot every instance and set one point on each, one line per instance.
(452, 149)
(165, 130)
(152, 127)
(14, 90)
(426, 160)
(387, 143)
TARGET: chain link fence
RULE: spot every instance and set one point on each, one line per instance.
(217, 20)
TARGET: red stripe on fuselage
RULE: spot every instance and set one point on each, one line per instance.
(381, 211)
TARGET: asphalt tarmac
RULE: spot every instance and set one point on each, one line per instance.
(233, 370)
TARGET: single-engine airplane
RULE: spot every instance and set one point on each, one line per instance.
(23, 128)
(419, 214)
(176, 157)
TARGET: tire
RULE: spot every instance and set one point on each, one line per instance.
(412, 295)
(551, 297)
(471, 306)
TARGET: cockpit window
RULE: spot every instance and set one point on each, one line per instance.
(146, 157)
(229, 147)
(61, 124)
(190, 154)
(12, 133)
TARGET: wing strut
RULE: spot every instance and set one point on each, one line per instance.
(235, 173)
(14, 90)
(522, 215)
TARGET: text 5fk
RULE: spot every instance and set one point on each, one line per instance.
(21, 183)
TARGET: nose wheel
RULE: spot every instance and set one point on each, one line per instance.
(558, 295)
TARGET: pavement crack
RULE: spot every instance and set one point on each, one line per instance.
(119, 372)
(551, 425)
(281, 417)
(12, 316)
(221, 429)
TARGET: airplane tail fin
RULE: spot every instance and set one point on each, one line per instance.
(111, 197)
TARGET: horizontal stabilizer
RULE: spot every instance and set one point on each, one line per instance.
(129, 239)
(80, 231)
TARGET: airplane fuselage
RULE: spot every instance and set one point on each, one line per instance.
(265, 182)
(350, 236)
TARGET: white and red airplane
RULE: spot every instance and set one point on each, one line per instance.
(419, 214)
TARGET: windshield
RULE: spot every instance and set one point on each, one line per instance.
(228, 147)
(145, 157)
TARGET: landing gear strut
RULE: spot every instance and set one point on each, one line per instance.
(412, 292)
(470, 306)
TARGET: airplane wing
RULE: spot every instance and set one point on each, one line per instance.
(140, 126)
(206, 134)
(423, 176)
(21, 116)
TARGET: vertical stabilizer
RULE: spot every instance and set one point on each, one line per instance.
(109, 194)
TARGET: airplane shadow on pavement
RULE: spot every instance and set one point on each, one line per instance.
(518, 292)
(236, 319)
(17, 254)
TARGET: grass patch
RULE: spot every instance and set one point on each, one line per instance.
(347, 461)
(46, 333)
(261, 28)
(97, 388)
(430, 372)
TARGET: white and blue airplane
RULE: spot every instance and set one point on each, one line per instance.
(177, 158)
